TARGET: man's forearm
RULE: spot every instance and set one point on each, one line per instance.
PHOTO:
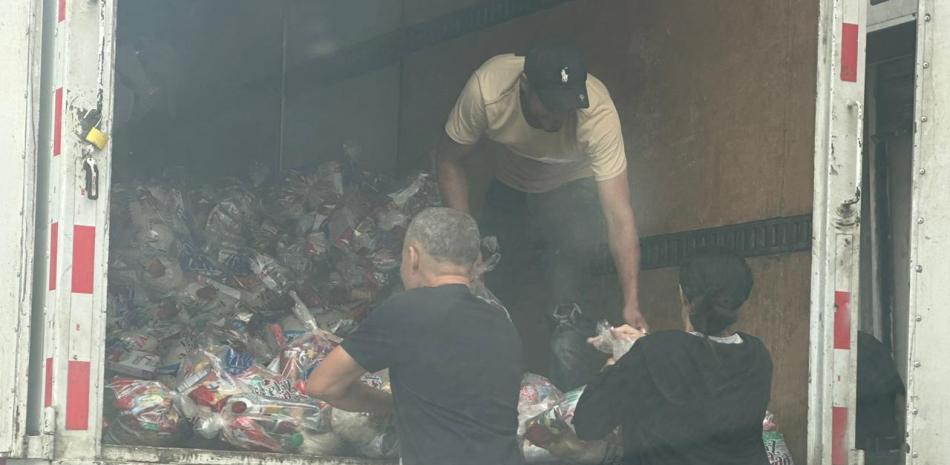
(453, 183)
(625, 248)
(362, 398)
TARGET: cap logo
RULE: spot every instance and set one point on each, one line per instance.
(564, 76)
(582, 97)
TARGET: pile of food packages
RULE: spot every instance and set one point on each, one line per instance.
(224, 295)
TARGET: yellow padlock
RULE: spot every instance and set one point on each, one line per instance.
(97, 138)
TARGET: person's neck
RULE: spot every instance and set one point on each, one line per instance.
(724, 334)
(526, 110)
(727, 333)
(445, 280)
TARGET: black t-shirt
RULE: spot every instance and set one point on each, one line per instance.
(455, 366)
(684, 400)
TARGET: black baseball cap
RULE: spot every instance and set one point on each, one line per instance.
(558, 74)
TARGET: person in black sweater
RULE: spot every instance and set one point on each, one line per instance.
(689, 397)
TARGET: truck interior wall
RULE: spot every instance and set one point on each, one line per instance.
(181, 97)
(203, 85)
(362, 111)
(717, 100)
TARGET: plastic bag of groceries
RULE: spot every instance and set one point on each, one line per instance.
(574, 362)
(204, 383)
(271, 416)
(553, 431)
(300, 192)
(491, 256)
(367, 435)
(143, 413)
(253, 422)
(395, 213)
(253, 409)
(297, 360)
(537, 396)
(157, 215)
(162, 277)
(229, 222)
(136, 352)
(775, 446)
(611, 343)
(238, 331)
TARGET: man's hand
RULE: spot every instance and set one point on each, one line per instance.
(627, 333)
(635, 319)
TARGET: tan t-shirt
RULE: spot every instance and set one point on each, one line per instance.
(591, 144)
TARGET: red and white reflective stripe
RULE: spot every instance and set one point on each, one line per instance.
(61, 11)
(78, 377)
(842, 320)
(48, 383)
(849, 52)
(843, 390)
(84, 259)
(58, 122)
(53, 254)
(839, 436)
(842, 360)
(77, 395)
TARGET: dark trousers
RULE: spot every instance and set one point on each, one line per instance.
(552, 245)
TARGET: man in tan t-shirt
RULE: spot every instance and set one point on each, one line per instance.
(560, 191)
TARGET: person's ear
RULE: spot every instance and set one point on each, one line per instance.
(414, 258)
(683, 301)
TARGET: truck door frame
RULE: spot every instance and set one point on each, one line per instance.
(835, 305)
(928, 414)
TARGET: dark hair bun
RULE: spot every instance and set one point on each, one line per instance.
(716, 282)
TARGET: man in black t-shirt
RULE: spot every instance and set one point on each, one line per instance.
(455, 361)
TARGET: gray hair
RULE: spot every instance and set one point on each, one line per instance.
(446, 235)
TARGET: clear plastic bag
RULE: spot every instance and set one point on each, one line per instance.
(229, 221)
(368, 435)
(273, 274)
(491, 256)
(162, 277)
(203, 380)
(537, 396)
(277, 425)
(298, 359)
(144, 414)
(553, 430)
(321, 444)
(292, 253)
(775, 446)
(608, 343)
(270, 413)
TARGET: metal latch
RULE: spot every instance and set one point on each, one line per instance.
(91, 171)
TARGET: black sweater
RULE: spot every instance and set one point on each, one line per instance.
(682, 400)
